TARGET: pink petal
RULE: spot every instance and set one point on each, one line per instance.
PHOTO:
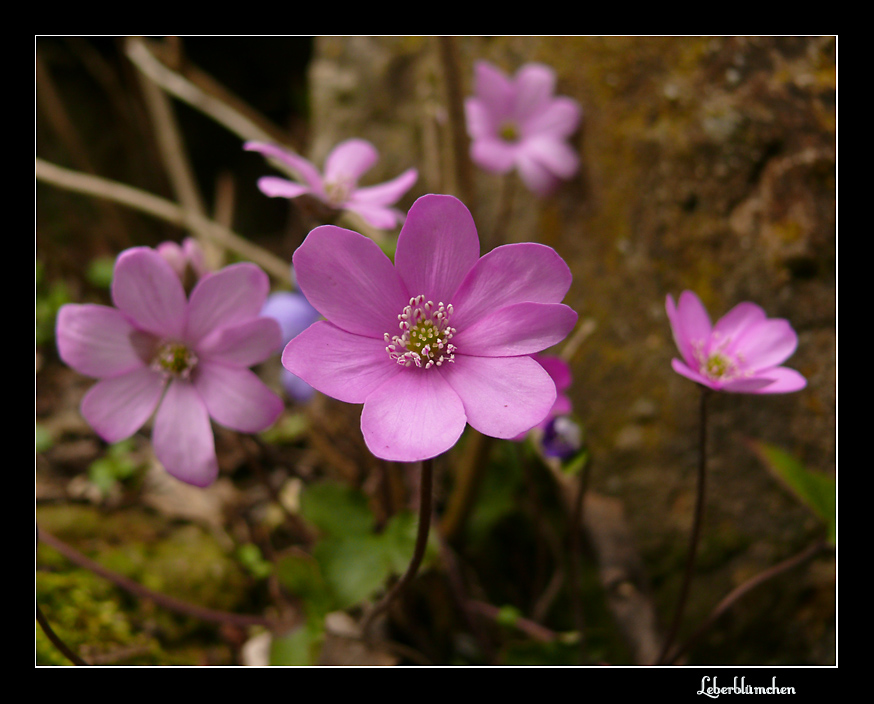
(684, 370)
(339, 364)
(350, 281)
(557, 368)
(413, 416)
(236, 398)
(99, 341)
(378, 216)
(307, 171)
(480, 122)
(244, 344)
(227, 297)
(387, 193)
(276, 187)
(555, 156)
(502, 396)
(493, 88)
(559, 119)
(437, 247)
(183, 438)
(783, 380)
(493, 155)
(736, 322)
(512, 273)
(689, 324)
(349, 160)
(767, 344)
(116, 408)
(148, 291)
(534, 86)
(536, 176)
(520, 328)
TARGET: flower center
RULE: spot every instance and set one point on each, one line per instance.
(425, 335)
(337, 191)
(716, 364)
(509, 131)
(174, 359)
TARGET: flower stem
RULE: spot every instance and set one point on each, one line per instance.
(696, 526)
(425, 504)
(56, 640)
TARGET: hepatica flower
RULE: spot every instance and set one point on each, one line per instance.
(185, 359)
(440, 338)
(518, 123)
(338, 186)
(740, 353)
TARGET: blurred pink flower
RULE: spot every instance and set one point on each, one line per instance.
(187, 358)
(741, 353)
(338, 188)
(294, 314)
(439, 339)
(518, 123)
(187, 259)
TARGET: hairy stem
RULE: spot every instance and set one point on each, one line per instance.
(695, 536)
(425, 507)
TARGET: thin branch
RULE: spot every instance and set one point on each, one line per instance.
(56, 640)
(163, 210)
(743, 589)
(168, 602)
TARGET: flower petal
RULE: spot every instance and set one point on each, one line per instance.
(684, 370)
(690, 324)
(493, 88)
(413, 416)
(300, 166)
(534, 85)
(226, 297)
(512, 273)
(378, 216)
(558, 119)
(340, 364)
(781, 380)
(387, 193)
(736, 322)
(236, 398)
(350, 281)
(147, 290)
(99, 341)
(349, 160)
(557, 368)
(116, 408)
(183, 438)
(767, 344)
(502, 396)
(276, 187)
(536, 176)
(553, 155)
(493, 155)
(244, 344)
(437, 247)
(520, 328)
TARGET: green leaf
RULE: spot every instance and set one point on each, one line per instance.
(814, 489)
(336, 510)
(398, 541)
(301, 576)
(355, 568)
(301, 646)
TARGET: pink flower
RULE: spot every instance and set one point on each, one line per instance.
(338, 188)
(439, 339)
(741, 353)
(186, 357)
(518, 123)
(187, 259)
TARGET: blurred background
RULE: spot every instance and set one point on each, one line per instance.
(708, 163)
